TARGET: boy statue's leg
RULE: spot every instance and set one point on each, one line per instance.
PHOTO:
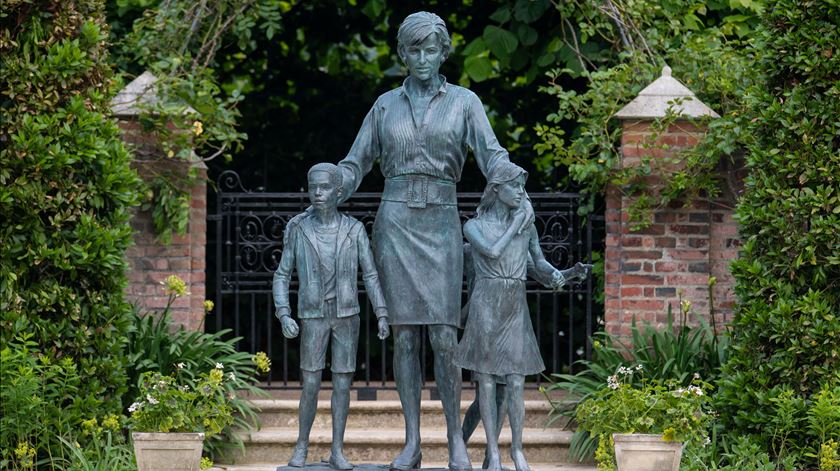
(308, 406)
(345, 340)
(340, 404)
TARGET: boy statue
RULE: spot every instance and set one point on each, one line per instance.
(326, 248)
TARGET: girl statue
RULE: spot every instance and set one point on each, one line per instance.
(498, 338)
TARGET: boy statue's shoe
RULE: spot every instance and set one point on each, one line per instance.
(299, 456)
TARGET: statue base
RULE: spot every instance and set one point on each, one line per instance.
(324, 466)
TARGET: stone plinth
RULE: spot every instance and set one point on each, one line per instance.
(674, 257)
(151, 261)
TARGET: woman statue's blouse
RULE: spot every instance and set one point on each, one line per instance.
(437, 146)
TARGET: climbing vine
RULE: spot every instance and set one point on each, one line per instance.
(703, 44)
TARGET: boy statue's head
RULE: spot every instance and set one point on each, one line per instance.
(324, 185)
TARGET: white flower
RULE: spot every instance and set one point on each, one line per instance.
(612, 382)
(706, 441)
(181, 365)
(696, 390)
(185, 387)
(151, 399)
(135, 406)
(639, 367)
(219, 366)
(231, 376)
(696, 375)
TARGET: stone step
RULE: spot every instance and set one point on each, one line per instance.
(426, 467)
(384, 414)
(381, 445)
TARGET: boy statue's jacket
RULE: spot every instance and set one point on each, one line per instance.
(300, 253)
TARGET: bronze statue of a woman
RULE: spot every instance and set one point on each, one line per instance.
(420, 134)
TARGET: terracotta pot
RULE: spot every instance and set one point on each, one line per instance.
(168, 451)
(642, 452)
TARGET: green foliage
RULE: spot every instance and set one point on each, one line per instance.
(166, 404)
(677, 413)
(39, 402)
(194, 117)
(65, 191)
(784, 339)
(107, 451)
(701, 42)
(155, 346)
(736, 453)
(678, 353)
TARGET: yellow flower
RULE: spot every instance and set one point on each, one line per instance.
(208, 306)
(175, 285)
(712, 281)
(25, 455)
(170, 153)
(198, 128)
(89, 426)
(669, 435)
(262, 362)
(206, 463)
(111, 422)
(685, 305)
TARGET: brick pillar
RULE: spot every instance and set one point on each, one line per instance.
(648, 269)
(149, 260)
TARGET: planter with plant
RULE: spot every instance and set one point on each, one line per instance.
(170, 420)
(666, 415)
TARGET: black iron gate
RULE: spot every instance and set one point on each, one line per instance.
(246, 241)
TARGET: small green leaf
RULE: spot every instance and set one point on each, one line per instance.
(500, 41)
(478, 68)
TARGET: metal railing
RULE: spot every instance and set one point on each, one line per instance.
(246, 242)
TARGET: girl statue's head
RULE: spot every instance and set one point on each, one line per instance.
(505, 184)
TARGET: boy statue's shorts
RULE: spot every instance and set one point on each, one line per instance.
(341, 332)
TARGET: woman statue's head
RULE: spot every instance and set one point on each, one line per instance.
(423, 44)
(505, 184)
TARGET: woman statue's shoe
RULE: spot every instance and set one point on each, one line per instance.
(411, 464)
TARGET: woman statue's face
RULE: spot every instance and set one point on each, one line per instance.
(424, 59)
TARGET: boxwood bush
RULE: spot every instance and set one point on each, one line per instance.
(785, 351)
(65, 191)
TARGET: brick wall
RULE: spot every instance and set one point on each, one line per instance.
(648, 269)
(150, 261)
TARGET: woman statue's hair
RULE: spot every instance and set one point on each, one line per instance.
(502, 172)
(416, 27)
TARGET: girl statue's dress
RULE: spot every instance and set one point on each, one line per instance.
(498, 337)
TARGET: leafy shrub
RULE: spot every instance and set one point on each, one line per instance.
(107, 451)
(65, 191)
(784, 339)
(673, 353)
(38, 404)
(155, 346)
(677, 413)
(168, 405)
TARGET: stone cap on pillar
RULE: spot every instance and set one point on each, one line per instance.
(139, 93)
(663, 94)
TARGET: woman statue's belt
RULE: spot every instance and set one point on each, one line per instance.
(418, 191)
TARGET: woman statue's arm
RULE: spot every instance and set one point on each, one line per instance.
(363, 153)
